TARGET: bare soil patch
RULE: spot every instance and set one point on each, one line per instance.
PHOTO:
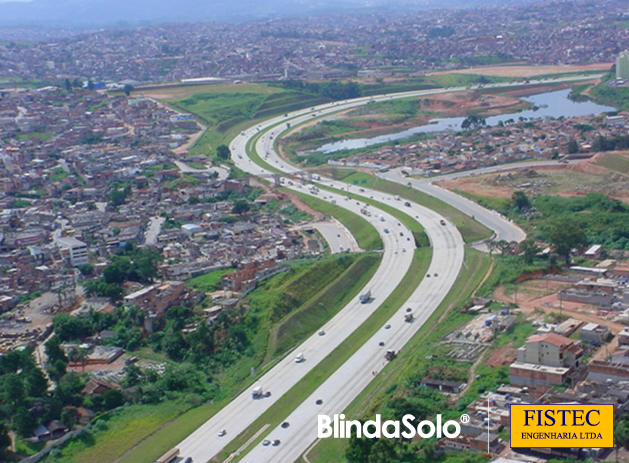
(561, 180)
(462, 103)
(503, 356)
(542, 294)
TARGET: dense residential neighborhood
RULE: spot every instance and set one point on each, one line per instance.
(321, 47)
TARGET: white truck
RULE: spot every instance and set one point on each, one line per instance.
(365, 297)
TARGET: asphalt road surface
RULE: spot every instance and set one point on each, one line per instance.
(355, 374)
(503, 228)
(204, 443)
(339, 239)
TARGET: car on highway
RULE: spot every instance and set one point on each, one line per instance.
(276, 442)
(321, 332)
(221, 433)
(386, 230)
(300, 358)
(387, 326)
(319, 401)
(407, 204)
(285, 424)
(442, 222)
(266, 442)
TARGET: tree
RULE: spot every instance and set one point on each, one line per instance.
(491, 246)
(504, 247)
(127, 89)
(23, 422)
(90, 85)
(520, 201)
(67, 85)
(565, 235)
(358, 449)
(621, 433)
(573, 146)
(223, 152)
(240, 207)
(473, 121)
(13, 389)
(118, 197)
(383, 451)
(5, 439)
(69, 327)
(35, 383)
(69, 417)
(529, 250)
(86, 270)
(112, 398)
(78, 355)
(53, 350)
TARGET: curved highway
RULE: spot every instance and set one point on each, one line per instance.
(360, 369)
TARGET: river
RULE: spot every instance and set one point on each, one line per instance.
(550, 104)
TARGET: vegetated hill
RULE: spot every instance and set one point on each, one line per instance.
(124, 13)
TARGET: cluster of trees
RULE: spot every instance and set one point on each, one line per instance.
(118, 196)
(211, 346)
(602, 143)
(70, 85)
(472, 122)
(569, 223)
(131, 264)
(422, 403)
(127, 323)
(332, 90)
(25, 398)
(223, 152)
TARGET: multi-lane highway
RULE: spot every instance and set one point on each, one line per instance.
(204, 443)
(355, 374)
(503, 228)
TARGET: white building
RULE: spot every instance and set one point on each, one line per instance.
(77, 250)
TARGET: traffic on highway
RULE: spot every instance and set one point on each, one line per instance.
(254, 152)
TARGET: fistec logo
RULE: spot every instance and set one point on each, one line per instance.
(562, 425)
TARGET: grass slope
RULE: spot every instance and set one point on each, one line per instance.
(309, 317)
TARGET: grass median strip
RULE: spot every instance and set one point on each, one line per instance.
(306, 386)
(470, 229)
(365, 234)
(411, 356)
